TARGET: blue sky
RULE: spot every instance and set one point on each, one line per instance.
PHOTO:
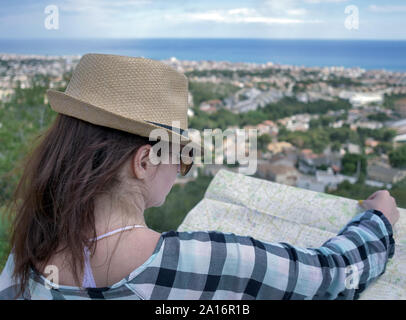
(283, 19)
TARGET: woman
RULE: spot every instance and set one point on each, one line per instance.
(79, 229)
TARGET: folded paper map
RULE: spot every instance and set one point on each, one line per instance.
(274, 212)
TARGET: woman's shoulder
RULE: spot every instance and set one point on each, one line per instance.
(208, 236)
(190, 235)
(192, 244)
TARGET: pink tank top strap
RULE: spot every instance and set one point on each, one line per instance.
(88, 279)
(117, 230)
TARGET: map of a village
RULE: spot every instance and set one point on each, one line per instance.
(274, 212)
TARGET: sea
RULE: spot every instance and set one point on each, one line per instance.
(367, 54)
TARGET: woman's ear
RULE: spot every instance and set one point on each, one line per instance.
(140, 162)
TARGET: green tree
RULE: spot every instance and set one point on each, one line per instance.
(397, 157)
(203, 91)
(180, 200)
(383, 148)
(380, 117)
(361, 191)
(4, 239)
(381, 134)
(350, 163)
(390, 100)
(336, 146)
(263, 141)
(315, 139)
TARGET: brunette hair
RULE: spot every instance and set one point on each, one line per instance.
(53, 204)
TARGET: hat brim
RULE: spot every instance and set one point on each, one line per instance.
(71, 106)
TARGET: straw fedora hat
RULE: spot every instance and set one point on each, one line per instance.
(131, 94)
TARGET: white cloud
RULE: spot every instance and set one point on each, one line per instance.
(238, 15)
(203, 16)
(270, 20)
(100, 5)
(295, 8)
(286, 7)
(296, 12)
(105, 18)
(324, 1)
(243, 11)
(386, 8)
(280, 7)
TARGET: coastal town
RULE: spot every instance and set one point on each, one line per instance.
(317, 127)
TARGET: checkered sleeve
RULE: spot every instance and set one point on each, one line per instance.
(356, 256)
(340, 269)
(214, 265)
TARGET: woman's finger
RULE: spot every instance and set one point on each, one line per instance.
(373, 195)
(366, 204)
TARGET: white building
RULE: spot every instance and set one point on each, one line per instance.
(323, 180)
(365, 98)
(310, 183)
(400, 138)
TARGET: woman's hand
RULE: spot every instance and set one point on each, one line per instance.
(382, 200)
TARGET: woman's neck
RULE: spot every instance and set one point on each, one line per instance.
(112, 213)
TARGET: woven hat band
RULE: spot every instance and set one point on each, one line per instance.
(179, 131)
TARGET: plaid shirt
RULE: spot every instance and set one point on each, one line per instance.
(215, 265)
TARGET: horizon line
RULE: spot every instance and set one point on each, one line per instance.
(198, 38)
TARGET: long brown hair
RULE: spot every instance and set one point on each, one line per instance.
(53, 204)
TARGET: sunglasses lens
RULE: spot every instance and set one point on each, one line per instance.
(185, 168)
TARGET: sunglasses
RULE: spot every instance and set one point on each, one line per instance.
(186, 161)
